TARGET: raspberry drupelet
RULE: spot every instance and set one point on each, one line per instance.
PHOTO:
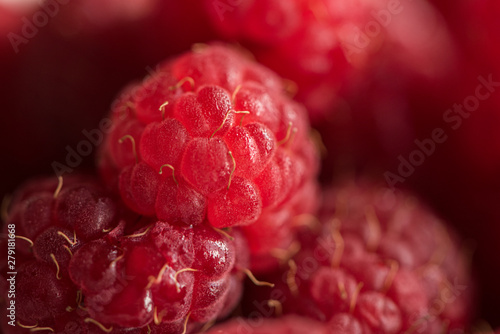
(376, 261)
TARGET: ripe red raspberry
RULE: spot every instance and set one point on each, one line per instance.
(276, 231)
(286, 325)
(52, 219)
(210, 135)
(379, 262)
(161, 276)
(319, 44)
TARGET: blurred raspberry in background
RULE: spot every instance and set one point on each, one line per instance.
(321, 45)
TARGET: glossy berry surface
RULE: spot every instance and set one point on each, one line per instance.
(379, 262)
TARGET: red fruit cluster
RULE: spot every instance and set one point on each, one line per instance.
(379, 262)
(214, 160)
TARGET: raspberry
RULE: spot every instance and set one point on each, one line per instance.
(53, 219)
(321, 44)
(286, 325)
(211, 136)
(379, 262)
(162, 277)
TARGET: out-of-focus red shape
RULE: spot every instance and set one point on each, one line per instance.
(321, 44)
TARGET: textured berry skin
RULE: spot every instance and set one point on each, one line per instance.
(320, 44)
(52, 221)
(286, 325)
(161, 276)
(379, 262)
(211, 135)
